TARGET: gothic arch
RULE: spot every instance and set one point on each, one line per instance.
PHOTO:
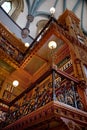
(17, 7)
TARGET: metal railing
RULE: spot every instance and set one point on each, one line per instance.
(60, 87)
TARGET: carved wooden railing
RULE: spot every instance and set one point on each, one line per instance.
(60, 87)
(11, 50)
(12, 44)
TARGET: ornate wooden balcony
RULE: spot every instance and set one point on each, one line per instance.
(52, 97)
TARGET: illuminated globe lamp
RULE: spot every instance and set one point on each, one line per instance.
(27, 44)
(15, 83)
(52, 11)
(52, 46)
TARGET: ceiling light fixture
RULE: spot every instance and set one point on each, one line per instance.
(15, 83)
(52, 10)
(52, 45)
(27, 44)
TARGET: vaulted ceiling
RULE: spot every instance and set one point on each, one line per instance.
(40, 10)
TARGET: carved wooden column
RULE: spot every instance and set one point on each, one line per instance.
(80, 74)
(82, 84)
(82, 94)
(78, 50)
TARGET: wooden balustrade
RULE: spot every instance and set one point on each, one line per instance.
(11, 50)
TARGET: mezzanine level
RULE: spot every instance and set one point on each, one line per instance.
(48, 100)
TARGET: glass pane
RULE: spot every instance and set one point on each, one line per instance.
(6, 6)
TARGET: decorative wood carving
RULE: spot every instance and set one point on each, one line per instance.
(51, 111)
(4, 31)
(40, 109)
(83, 54)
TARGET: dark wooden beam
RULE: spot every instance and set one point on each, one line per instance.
(4, 102)
(66, 75)
(7, 103)
(4, 109)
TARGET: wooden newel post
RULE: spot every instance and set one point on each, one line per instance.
(82, 94)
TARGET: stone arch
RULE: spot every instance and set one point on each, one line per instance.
(17, 7)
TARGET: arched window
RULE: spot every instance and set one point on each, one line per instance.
(7, 6)
(13, 7)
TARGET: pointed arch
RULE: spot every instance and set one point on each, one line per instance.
(17, 7)
(7, 5)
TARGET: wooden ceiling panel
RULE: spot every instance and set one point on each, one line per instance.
(6, 66)
(34, 65)
(22, 76)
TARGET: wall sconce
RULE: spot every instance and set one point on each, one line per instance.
(15, 83)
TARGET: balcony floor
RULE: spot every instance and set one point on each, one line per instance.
(52, 115)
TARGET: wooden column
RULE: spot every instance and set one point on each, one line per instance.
(82, 84)
(78, 73)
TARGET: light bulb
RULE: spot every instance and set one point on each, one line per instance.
(52, 44)
(15, 83)
(52, 10)
(27, 44)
